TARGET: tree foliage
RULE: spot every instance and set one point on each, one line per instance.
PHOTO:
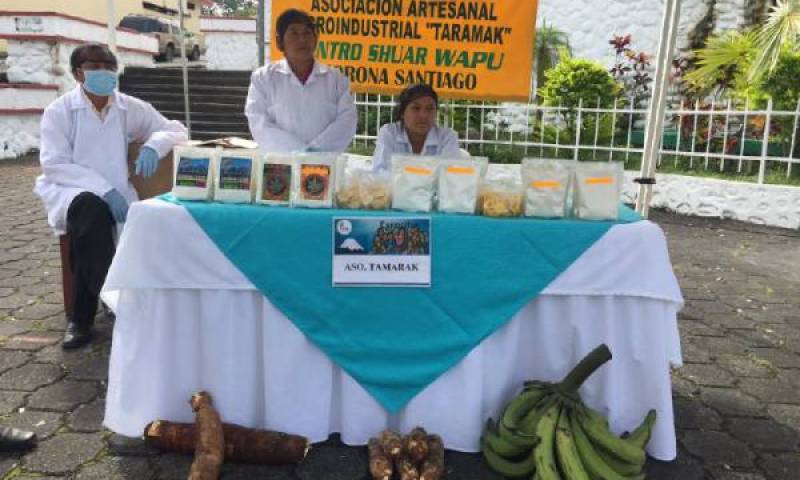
(781, 30)
(233, 8)
(722, 66)
(573, 79)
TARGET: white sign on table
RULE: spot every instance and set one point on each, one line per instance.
(382, 251)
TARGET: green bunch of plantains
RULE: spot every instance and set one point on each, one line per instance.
(547, 433)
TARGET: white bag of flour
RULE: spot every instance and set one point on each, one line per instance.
(459, 182)
(274, 179)
(598, 188)
(547, 184)
(413, 182)
(193, 173)
(233, 180)
(314, 179)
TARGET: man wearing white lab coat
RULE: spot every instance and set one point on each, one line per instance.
(298, 104)
(84, 183)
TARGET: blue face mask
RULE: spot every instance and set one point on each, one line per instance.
(100, 82)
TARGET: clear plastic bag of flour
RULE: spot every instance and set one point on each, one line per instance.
(413, 182)
(234, 177)
(459, 182)
(501, 192)
(193, 172)
(598, 188)
(547, 186)
(314, 180)
(358, 187)
(274, 176)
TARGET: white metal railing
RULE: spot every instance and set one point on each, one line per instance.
(726, 136)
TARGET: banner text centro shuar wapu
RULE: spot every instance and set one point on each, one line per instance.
(473, 49)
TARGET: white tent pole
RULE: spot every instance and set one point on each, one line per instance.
(655, 115)
(111, 17)
(261, 27)
(184, 67)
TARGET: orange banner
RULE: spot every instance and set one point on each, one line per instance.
(479, 49)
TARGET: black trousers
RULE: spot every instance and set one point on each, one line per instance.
(90, 228)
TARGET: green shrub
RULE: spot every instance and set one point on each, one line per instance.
(782, 84)
(575, 79)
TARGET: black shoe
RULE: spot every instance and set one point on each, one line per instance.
(76, 336)
(16, 440)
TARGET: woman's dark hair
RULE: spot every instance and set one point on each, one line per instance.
(81, 54)
(411, 93)
(289, 17)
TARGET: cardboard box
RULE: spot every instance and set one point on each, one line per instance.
(160, 182)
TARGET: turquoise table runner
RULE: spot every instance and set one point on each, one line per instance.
(396, 341)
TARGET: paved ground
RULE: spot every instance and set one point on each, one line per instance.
(737, 399)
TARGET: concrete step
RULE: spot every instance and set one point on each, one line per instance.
(212, 77)
(215, 125)
(232, 117)
(213, 98)
(138, 90)
(196, 106)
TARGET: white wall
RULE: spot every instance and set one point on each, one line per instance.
(234, 24)
(18, 98)
(773, 205)
(45, 61)
(232, 51)
(19, 134)
(232, 43)
(590, 24)
(48, 25)
(48, 63)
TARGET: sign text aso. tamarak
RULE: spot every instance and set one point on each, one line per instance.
(473, 49)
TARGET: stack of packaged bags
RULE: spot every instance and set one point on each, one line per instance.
(541, 188)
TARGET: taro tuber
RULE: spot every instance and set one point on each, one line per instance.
(380, 465)
(406, 467)
(210, 449)
(433, 466)
(391, 442)
(416, 444)
(244, 445)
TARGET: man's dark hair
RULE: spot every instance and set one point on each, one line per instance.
(81, 54)
(289, 17)
(411, 93)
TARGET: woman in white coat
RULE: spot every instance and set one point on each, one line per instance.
(414, 129)
(84, 183)
(297, 103)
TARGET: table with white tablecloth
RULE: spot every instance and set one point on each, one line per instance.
(189, 320)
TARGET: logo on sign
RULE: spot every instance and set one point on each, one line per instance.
(344, 227)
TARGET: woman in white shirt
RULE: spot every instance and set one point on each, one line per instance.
(299, 104)
(414, 129)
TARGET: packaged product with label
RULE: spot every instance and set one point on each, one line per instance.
(233, 181)
(501, 193)
(547, 184)
(274, 179)
(459, 181)
(314, 177)
(598, 187)
(193, 173)
(361, 188)
(413, 182)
